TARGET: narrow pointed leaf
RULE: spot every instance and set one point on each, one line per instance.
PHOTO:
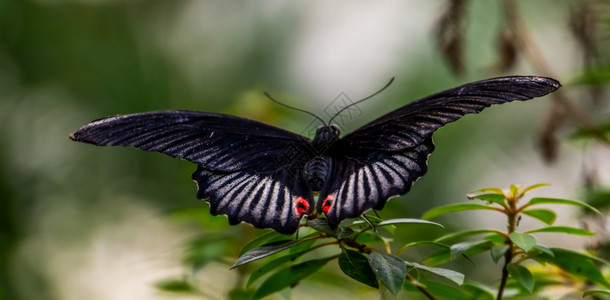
(344, 232)
(514, 189)
(454, 276)
(523, 240)
(264, 251)
(563, 229)
(596, 292)
(451, 208)
(490, 197)
(522, 275)
(547, 216)
(390, 269)
(465, 233)
(289, 277)
(496, 238)
(321, 225)
(461, 248)
(422, 243)
(408, 221)
(270, 266)
(488, 190)
(260, 240)
(535, 201)
(466, 249)
(579, 264)
(532, 187)
(545, 250)
(498, 252)
(368, 238)
(356, 266)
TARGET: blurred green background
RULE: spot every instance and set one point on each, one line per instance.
(83, 222)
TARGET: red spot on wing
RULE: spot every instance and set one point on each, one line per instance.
(301, 205)
(328, 203)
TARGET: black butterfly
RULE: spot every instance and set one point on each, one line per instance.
(263, 175)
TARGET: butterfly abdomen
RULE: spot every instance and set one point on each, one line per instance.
(317, 171)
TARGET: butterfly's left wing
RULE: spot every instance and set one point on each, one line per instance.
(383, 158)
(247, 170)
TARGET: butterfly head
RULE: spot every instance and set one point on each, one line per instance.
(326, 135)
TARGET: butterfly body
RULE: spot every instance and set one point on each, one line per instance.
(266, 176)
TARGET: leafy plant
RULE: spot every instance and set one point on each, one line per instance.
(364, 251)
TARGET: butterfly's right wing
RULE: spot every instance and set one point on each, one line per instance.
(382, 159)
(409, 125)
(250, 171)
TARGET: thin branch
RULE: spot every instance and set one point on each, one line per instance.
(420, 287)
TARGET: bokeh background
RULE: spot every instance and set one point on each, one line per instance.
(84, 222)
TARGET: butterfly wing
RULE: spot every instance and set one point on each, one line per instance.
(246, 169)
(409, 125)
(383, 158)
(362, 180)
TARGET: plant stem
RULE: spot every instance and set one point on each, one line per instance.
(507, 258)
(420, 287)
(511, 213)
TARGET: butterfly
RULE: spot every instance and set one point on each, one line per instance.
(266, 176)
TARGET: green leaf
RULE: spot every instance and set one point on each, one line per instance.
(514, 189)
(321, 225)
(563, 229)
(303, 246)
(465, 233)
(454, 276)
(420, 243)
(496, 238)
(596, 292)
(259, 240)
(344, 232)
(488, 190)
(368, 238)
(547, 216)
(532, 187)
(523, 240)
(356, 266)
(545, 250)
(462, 248)
(451, 208)
(408, 221)
(467, 291)
(489, 197)
(290, 276)
(466, 248)
(390, 269)
(478, 291)
(264, 251)
(266, 268)
(522, 275)
(536, 201)
(175, 286)
(498, 252)
(579, 264)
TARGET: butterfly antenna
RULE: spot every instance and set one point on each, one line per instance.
(371, 96)
(291, 107)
